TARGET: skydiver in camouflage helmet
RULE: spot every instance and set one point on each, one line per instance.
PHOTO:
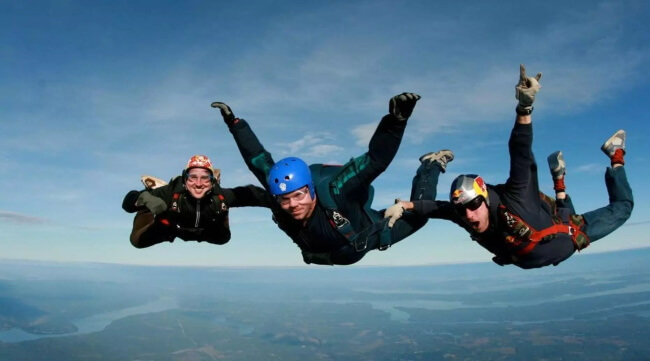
(192, 207)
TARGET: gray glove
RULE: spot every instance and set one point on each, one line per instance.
(401, 106)
(154, 204)
(525, 91)
(394, 212)
(226, 112)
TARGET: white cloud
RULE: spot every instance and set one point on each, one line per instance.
(363, 133)
(590, 168)
(310, 145)
(18, 218)
(306, 141)
(324, 150)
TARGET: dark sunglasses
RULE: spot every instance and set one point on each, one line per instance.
(472, 205)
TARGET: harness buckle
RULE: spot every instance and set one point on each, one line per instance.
(360, 245)
(572, 231)
(339, 220)
(383, 247)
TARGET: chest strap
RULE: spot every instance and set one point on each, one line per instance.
(359, 240)
(524, 236)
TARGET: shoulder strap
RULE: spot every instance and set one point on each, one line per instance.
(321, 174)
(218, 199)
(178, 189)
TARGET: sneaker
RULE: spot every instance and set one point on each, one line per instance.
(616, 141)
(556, 165)
(441, 157)
(151, 182)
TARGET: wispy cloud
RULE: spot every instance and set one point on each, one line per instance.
(590, 168)
(20, 218)
(363, 133)
(630, 224)
(324, 150)
(311, 144)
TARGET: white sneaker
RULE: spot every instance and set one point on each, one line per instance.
(616, 141)
(556, 165)
(441, 157)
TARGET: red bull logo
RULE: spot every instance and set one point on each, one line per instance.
(481, 184)
(457, 193)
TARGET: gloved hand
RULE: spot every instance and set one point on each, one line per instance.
(525, 91)
(401, 106)
(128, 204)
(226, 112)
(394, 212)
(154, 204)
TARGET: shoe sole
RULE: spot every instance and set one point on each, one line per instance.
(609, 144)
(556, 164)
(442, 153)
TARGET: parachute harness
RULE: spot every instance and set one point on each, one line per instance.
(522, 235)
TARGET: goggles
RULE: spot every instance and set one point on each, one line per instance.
(196, 178)
(298, 196)
(472, 205)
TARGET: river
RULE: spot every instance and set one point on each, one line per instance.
(96, 322)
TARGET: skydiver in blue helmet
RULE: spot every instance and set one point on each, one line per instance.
(326, 209)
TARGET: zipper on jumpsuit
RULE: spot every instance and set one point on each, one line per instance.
(198, 213)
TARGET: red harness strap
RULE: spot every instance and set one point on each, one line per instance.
(539, 235)
(522, 232)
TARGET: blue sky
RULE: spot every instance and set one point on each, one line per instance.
(95, 93)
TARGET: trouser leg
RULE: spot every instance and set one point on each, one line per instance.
(603, 221)
(566, 203)
(217, 235)
(145, 232)
(360, 172)
(406, 226)
(385, 141)
(425, 182)
(424, 187)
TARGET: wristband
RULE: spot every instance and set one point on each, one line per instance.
(523, 111)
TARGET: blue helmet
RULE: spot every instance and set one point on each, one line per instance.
(288, 175)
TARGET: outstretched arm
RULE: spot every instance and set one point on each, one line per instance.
(522, 161)
(154, 199)
(258, 160)
(129, 204)
(248, 196)
(427, 208)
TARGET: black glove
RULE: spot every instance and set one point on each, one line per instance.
(226, 112)
(155, 204)
(401, 106)
(129, 202)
